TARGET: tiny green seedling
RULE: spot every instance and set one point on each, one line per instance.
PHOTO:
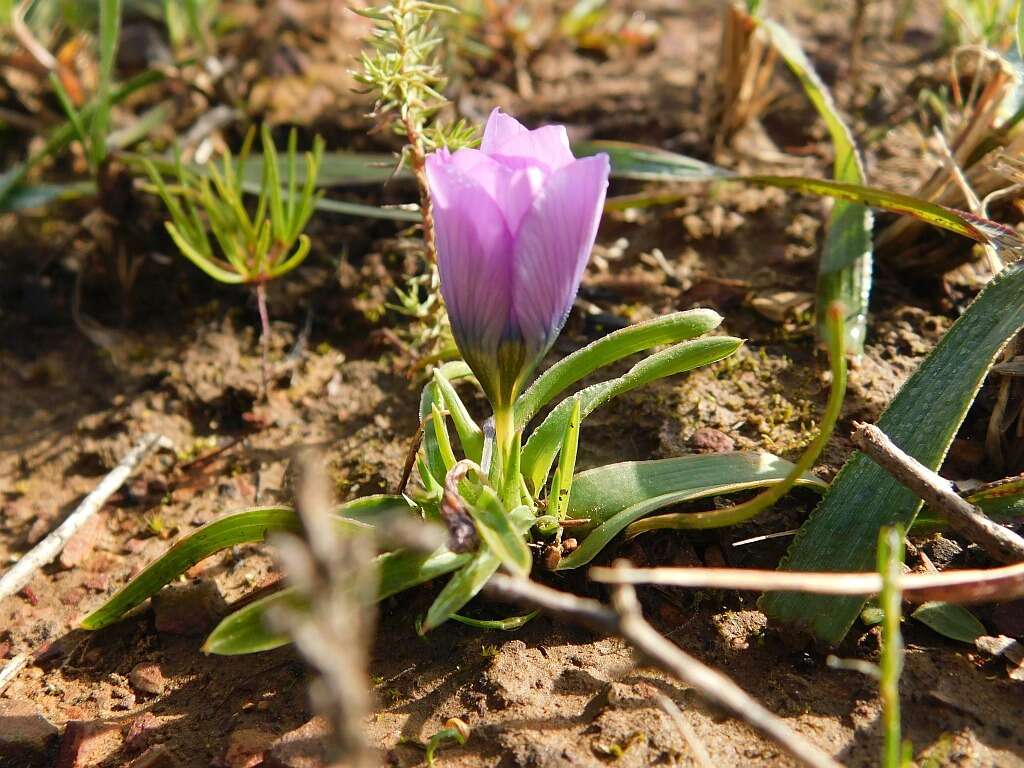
(246, 249)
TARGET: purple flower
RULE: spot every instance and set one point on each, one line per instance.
(514, 223)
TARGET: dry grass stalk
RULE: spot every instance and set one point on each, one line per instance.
(333, 572)
(992, 82)
(741, 88)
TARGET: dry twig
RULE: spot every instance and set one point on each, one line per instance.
(333, 574)
(965, 518)
(47, 550)
(966, 586)
(627, 622)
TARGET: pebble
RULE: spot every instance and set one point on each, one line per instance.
(140, 733)
(147, 677)
(155, 757)
(83, 744)
(708, 440)
(26, 736)
(247, 747)
(301, 748)
(189, 610)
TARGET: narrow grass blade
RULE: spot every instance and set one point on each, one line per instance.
(561, 482)
(110, 32)
(641, 162)
(63, 136)
(540, 450)
(844, 271)
(337, 169)
(613, 496)
(504, 625)
(669, 329)
(950, 620)
(922, 420)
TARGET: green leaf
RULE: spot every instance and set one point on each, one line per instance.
(242, 527)
(494, 525)
(63, 136)
(668, 329)
(110, 31)
(643, 163)
(648, 163)
(25, 197)
(561, 482)
(1020, 29)
(613, 496)
(399, 571)
(952, 621)
(922, 420)
(540, 450)
(471, 437)
(246, 630)
(844, 271)
(337, 169)
(1003, 501)
(471, 578)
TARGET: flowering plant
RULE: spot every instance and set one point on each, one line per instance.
(515, 223)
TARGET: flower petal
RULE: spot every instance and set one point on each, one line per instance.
(552, 248)
(500, 128)
(513, 190)
(547, 146)
(474, 259)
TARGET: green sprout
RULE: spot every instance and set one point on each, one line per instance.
(403, 72)
(245, 249)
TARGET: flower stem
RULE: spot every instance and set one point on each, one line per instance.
(739, 513)
(506, 448)
(418, 162)
(261, 302)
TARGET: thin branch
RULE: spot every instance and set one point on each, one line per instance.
(966, 586)
(1001, 543)
(47, 550)
(11, 670)
(627, 622)
(700, 752)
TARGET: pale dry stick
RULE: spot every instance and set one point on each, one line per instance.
(47, 550)
(24, 35)
(700, 752)
(11, 670)
(995, 264)
(333, 573)
(1000, 542)
(966, 586)
(627, 622)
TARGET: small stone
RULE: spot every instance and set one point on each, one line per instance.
(708, 440)
(81, 545)
(1007, 618)
(147, 678)
(26, 737)
(190, 610)
(140, 733)
(301, 748)
(155, 757)
(84, 744)
(246, 748)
